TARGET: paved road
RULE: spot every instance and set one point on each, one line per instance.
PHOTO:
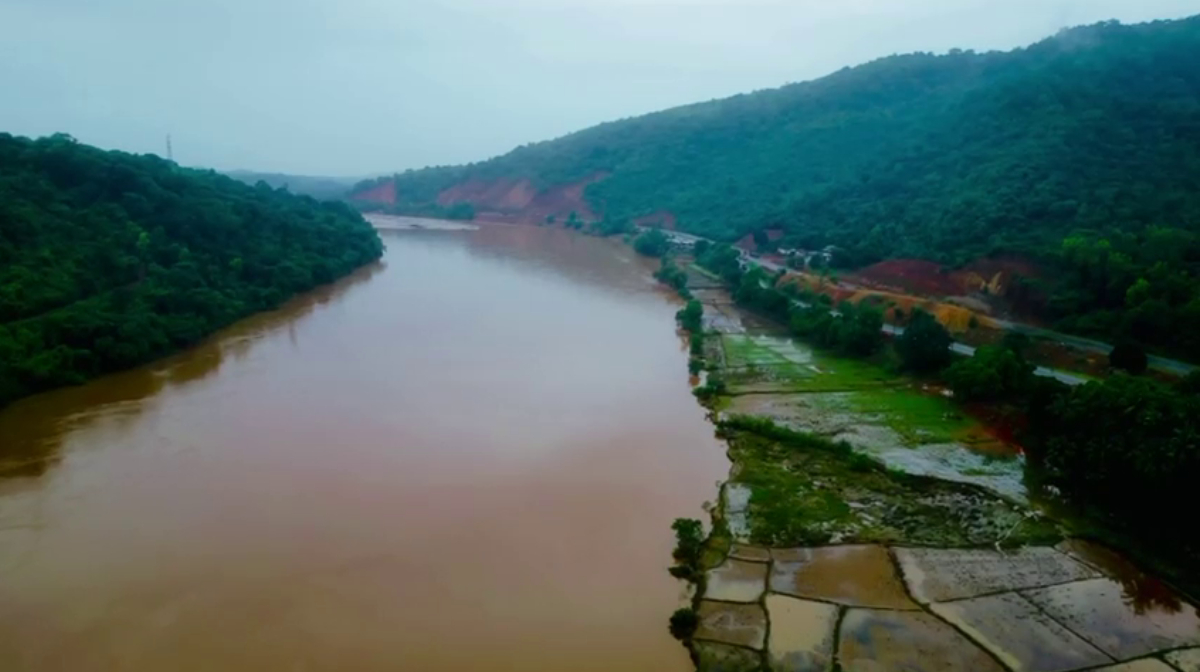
(1090, 345)
(969, 351)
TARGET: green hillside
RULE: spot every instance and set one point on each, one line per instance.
(1082, 151)
(108, 260)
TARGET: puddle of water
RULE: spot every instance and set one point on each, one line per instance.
(1144, 591)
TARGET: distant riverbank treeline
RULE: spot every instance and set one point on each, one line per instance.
(109, 260)
(1080, 154)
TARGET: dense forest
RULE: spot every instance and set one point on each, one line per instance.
(1081, 151)
(108, 259)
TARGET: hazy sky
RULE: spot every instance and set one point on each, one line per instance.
(352, 87)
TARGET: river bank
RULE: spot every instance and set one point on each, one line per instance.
(869, 524)
(384, 222)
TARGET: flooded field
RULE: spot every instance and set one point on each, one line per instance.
(466, 458)
(908, 427)
(870, 525)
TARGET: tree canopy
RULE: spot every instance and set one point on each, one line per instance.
(1128, 444)
(924, 347)
(108, 259)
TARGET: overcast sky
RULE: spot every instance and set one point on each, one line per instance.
(354, 87)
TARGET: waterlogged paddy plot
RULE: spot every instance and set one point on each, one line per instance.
(867, 608)
(892, 419)
(868, 525)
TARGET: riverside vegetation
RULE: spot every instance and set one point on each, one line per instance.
(1122, 449)
(109, 260)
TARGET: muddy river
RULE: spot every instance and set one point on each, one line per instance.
(465, 458)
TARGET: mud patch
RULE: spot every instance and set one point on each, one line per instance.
(1098, 611)
(1187, 661)
(737, 509)
(713, 657)
(736, 624)
(737, 581)
(1019, 635)
(939, 575)
(1147, 665)
(1143, 590)
(750, 553)
(722, 320)
(912, 641)
(801, 634)
(949, 462)
(860, 576)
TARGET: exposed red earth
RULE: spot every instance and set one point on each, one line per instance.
(385, 193)
(988, 277)
(506, 199)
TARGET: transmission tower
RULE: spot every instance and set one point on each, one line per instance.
(170, 153)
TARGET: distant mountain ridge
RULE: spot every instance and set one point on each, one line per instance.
(320, 188)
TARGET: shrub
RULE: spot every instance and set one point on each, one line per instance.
(924, 347)
(689, 544)
(652, 243)
(684, 623)
(993, 374)
(1130, 444)
(789, 437)
(1128, 357)
(691, 316)
(710, 390)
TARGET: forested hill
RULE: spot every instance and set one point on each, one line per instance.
(108, 260)
(1090, 137)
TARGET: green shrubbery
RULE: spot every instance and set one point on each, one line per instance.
(689, 547)
(684, 623)
(712, 388)
(671, 275)
(856, 331)
(1128, 357)
(994, 373)
(652, 243)
(1127, 448)
(924, 347)
(691, 316)
(789, 437)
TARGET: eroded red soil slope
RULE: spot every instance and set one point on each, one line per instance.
(381, 193)
(519, 200)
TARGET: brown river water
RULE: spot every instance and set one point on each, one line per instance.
(467, 457)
